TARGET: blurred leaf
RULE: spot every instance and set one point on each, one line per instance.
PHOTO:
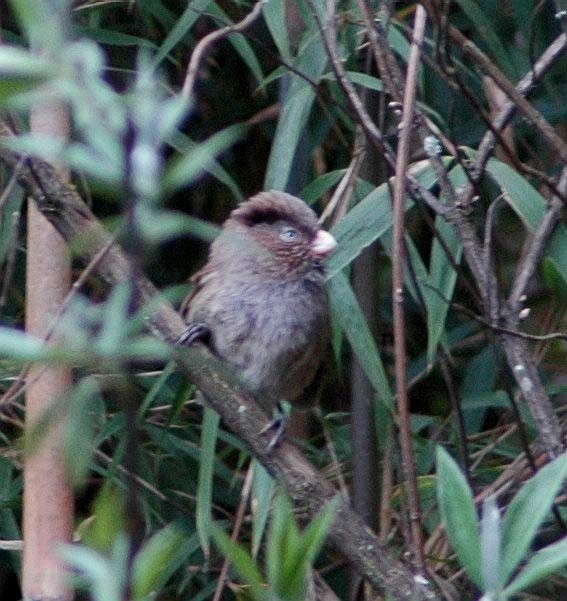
(159, 226)
(544, 563)
(262, 495)
(108, 519)
(533, 501)
(21, 71)
(183, 144)
(21, 347)
(106, 576)
(209, 435)
(10, 215)
(157, 560)
(115, 319)
(290, 553)
(43, 21)
(183, 170)
(284, 543)
(242, 563)
(80, 430)
(347, 313)
(458, 512)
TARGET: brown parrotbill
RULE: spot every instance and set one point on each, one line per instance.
(260, 303)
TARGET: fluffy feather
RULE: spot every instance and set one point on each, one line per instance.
(260, 302)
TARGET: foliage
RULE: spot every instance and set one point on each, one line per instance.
(492, 550)
(162, 168)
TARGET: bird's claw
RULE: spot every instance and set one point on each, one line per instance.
(195, 331)
(278, 425)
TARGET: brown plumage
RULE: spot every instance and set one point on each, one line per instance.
(260, 303)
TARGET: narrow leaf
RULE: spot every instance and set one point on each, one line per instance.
(209, 435)
(534, 500)
(348, 315)
(544, 563)
(187, 168)
(459, 515)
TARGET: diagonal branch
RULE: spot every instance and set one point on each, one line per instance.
(61, 204)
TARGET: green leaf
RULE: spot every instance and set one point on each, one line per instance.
(485, 28)
(348, 315)
(193, 11)
(19, 346)
(262, 494)
(42, 21)
(544, 563)
(369, 220)
(80, 430)
(524, 199)
(555, 281)
(108, 519)
(158, 226)
(275, 18)
(209, 436)
(557, 250)
(317, 531)
(106, 576)
(294, 114)
(240, 44)
(115, 318)
(490, 544)
(183, 144)
(319, 186)
(527, 511)
(157, 560)
(442, 275)
(242, 563)
(183, 170)
(21, 71)
(441, 283)
(530, 206)
(361, 79)
(459, 515)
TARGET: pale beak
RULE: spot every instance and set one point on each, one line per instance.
(323, 244)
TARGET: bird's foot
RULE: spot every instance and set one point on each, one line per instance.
(195, 332)
(278, 426)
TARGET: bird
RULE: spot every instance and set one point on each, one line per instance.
(260, 304)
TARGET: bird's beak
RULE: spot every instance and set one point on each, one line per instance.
(323, 244)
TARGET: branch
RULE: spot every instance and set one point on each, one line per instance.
(63, 207)
(210, 39)
(398, 296)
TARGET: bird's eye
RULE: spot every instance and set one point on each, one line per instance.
(288, 234)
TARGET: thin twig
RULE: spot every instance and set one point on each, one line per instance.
(398, 268)
(208, 40)
(244, 495)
